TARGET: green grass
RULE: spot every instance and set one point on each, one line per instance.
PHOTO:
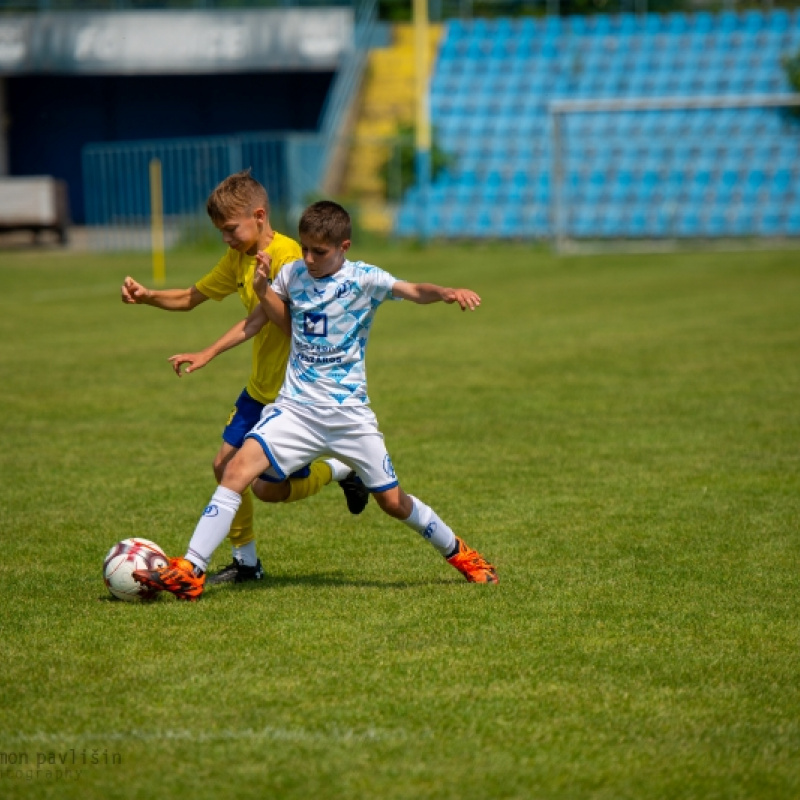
(621, 435)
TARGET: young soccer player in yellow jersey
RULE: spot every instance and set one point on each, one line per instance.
(239, 209)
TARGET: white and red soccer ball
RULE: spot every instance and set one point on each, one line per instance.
(125, 557)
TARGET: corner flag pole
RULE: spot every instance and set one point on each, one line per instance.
(423, 127)
(157, 222)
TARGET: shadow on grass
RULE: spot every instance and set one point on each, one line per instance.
(323, 579)
(318, 579)
(109, 598)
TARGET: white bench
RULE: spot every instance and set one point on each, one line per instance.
(36, 204)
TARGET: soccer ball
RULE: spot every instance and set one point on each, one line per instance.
(125, 557)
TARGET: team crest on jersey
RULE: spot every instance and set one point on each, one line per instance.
(315, 324)
(343, 290)
(388, 467)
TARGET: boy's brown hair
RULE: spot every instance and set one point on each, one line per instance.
(327, 221)
(239, 193)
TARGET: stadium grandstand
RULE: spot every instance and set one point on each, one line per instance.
(619, 125)
(691, 169)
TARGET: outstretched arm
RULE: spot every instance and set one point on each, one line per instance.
(276, 310)
(134, 293)
(240, 332)
(424, 293)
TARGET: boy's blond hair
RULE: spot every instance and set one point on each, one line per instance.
(327, 221)
(239, 193)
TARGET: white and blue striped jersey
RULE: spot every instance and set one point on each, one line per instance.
(331, 321)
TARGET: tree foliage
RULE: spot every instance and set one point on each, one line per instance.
(398, 172)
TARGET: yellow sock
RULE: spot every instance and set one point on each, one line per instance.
(300, 488)
(242, 532)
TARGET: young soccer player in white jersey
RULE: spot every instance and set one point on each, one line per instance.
(239, 209)
(326, 303)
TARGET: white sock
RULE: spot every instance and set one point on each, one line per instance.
(213, 527)
(340, 471)
(246, 554)
(427, 523)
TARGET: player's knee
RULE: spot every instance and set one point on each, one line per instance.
(270, 492)
(236, 475)
(244, 467)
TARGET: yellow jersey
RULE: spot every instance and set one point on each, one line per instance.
(234, 273)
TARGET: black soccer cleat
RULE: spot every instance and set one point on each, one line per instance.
(355, 493)
(237, 572)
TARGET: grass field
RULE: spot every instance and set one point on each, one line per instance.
(620, 435)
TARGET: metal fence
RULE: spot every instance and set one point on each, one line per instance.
(118, 191)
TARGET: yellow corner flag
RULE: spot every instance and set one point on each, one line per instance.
(157, 222)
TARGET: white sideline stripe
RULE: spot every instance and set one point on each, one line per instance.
(49, 295)
(343, 735)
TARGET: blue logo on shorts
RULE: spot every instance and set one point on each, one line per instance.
(388, 468)
(211, 511)
(315, 324)
(429, 531)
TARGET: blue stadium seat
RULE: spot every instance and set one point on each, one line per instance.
(510, 226)
(727, 21)
(662, 221)
(792, 222)
(752, 20)
(612, 223)
(535, 220)
(587, 222)
(770, 222)
(702, 21)
(454, 223)
(676, 23)
(688, 223)
(456, 29)
(577, 25)
(739, 220)
(650, 23)
(753, 184)
(637, 222)
(781, 185)
(778, 20)
(625, 24)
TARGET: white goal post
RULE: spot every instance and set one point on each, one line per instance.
(563, 112)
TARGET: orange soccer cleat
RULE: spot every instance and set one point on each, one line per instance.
(472, 565)
(177, 578)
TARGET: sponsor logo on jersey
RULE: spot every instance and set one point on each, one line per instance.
(315, 324)
(343, 290)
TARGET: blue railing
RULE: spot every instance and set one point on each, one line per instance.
(117, 181)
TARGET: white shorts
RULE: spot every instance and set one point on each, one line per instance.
(293, 435)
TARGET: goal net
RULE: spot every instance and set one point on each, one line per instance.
(674, 168)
